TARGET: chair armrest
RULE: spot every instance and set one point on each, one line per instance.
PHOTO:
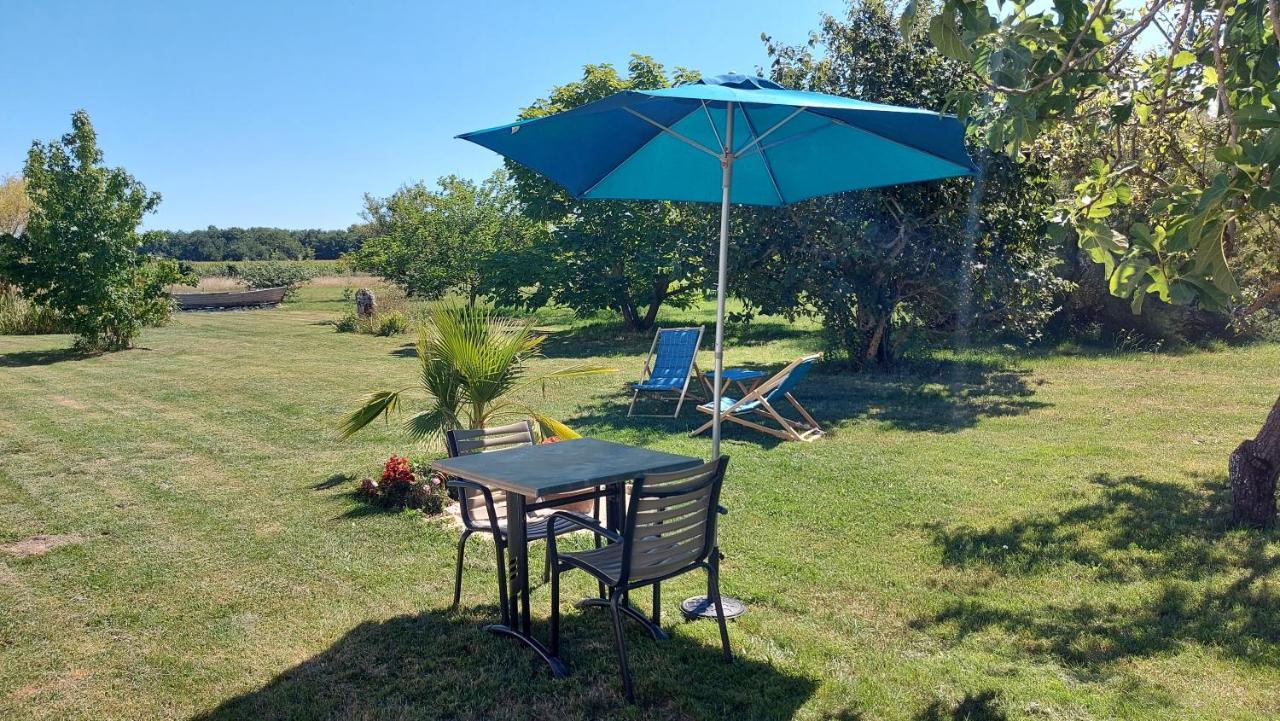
(553, 523)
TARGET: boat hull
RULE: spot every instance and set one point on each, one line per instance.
(230, 299)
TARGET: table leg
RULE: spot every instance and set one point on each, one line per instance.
(615, 507)
(518, 583)
(518, 560)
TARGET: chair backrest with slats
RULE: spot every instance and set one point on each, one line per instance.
(671, 521)
(794, 373)
(464, 442)
(677, 348)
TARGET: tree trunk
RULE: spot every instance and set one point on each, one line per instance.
(1253, 469)
(660, 288)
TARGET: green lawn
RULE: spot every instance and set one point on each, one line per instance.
(980, 538)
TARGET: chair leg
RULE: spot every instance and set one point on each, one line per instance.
(657, 603)
(555, 613)
(632, 408)
(546, 565)
(502, 579)
(614, 599)
(457, 570)
(713, 592)
(702, 428)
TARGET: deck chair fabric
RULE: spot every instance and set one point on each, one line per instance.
(670, 366)
(759, 404)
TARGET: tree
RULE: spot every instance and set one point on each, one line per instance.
(431, 241)
(78, 254)
(1202, 97)
(628, 257)
(880, 266)
(214, 243)
(14, 205)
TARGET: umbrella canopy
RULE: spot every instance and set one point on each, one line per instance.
(788, 145)
(731, 139)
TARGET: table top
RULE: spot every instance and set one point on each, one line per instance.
(736, 374)
(565, 466)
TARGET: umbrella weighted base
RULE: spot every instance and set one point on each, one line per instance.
(701, 607)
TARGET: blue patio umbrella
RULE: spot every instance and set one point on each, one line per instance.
(731, 139)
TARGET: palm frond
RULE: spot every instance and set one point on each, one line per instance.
(375, 404)
(552, 427)
(428, 424)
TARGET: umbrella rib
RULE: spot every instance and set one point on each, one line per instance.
(712, 123)
(798, 136)
(756, 141)
(673, 133)
(768, 167)
(665, 129)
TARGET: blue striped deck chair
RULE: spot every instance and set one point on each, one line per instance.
(671, 364)
(759, 403)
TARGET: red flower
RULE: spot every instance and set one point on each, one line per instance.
(551, 439)
(397, 470)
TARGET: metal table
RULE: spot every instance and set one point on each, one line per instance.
(746, 379)
(533, 471)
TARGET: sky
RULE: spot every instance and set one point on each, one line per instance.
(284, 113)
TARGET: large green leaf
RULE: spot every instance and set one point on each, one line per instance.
(1129, 275)
(946, 37)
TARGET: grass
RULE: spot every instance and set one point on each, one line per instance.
(979, 537)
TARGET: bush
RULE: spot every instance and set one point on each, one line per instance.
(349, 323)
(405, 484)
(19, 316)
(272, 274)
(389, 324)
(380, 324)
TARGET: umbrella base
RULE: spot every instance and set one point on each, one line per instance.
(697, 607)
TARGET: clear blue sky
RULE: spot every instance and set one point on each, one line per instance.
(284, 113)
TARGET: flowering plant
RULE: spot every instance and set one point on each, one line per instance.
(406, 485)
(397, 470)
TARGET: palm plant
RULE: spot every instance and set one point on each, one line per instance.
(472, 363)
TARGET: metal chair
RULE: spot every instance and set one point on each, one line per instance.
(669, 530)
(483, 509)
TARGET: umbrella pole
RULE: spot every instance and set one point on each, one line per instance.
(726, 170)
(704, 606)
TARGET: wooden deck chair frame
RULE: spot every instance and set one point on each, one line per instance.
(791, 430)
(688, 376)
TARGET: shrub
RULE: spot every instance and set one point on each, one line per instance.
(384, 323)
(389, 324)
(349, 323)
(19, 316)
(272, 274)
(406, 485)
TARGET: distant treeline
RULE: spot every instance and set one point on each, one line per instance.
(254, 244)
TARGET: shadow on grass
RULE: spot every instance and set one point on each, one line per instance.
(1203, 583)
(28, 358)
(334, 480)
(980, 706)
(444, 665)
(941, 396)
